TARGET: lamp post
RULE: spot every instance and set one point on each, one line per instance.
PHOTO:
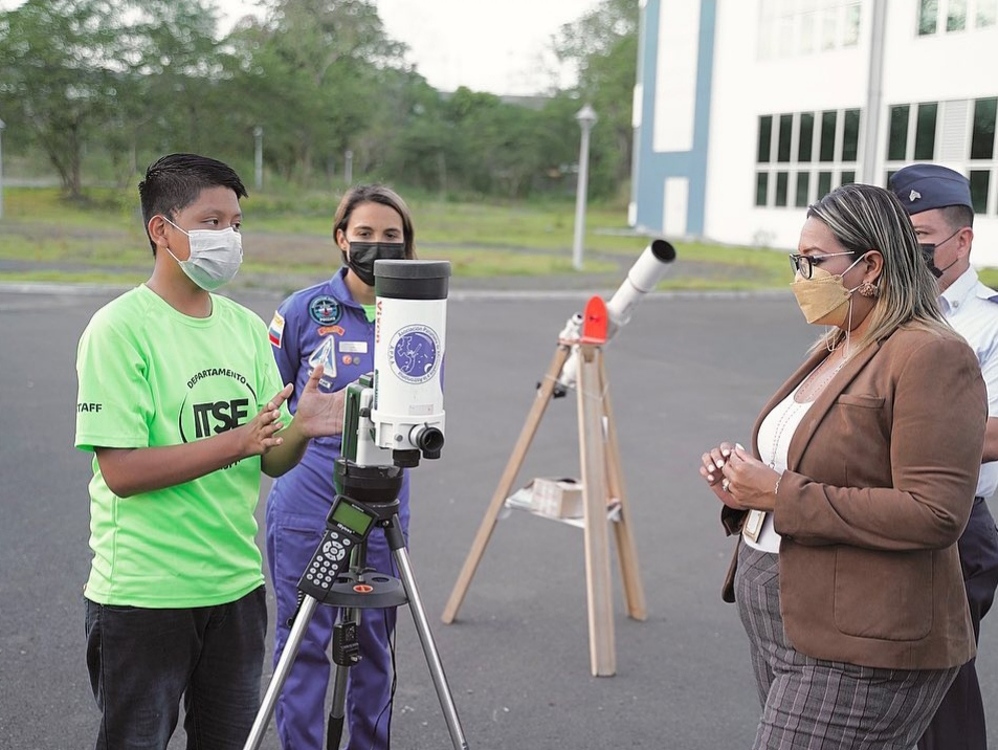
(2, 126)
(258, 135)
(587, 118)
(348, 166)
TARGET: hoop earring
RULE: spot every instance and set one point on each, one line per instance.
(868, 289)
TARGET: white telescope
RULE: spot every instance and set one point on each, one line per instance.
(642, 278)
(407, 411)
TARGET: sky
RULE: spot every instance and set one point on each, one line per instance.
(487, 45)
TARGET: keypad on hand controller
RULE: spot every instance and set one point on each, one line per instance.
(324, 566)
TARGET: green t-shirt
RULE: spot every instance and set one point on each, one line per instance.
(152, 376)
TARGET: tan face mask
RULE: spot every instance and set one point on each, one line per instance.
(823, 298)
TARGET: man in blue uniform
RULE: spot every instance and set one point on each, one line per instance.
(939, 203)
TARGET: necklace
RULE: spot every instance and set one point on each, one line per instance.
(792, 411)
(792, 414)
(797, 402)
(784, 421)
(812, 387)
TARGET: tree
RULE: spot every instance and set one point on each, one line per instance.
(130, 79)
(408, 138)
(603, 45)
(62, 69)
(122, 74)
(173, 100)
(316, 63)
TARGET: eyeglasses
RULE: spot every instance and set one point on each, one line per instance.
(804, 264)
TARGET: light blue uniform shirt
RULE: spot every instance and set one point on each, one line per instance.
(967, 306)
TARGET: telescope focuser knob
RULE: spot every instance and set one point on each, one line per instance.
(405, 459)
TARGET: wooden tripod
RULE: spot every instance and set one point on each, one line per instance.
(602, 482)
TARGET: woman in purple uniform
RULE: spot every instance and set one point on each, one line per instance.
(333, 323)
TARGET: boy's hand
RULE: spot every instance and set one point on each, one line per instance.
(319, 413)
(260, 431)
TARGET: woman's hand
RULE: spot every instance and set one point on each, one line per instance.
(711, 469)
(738, 479)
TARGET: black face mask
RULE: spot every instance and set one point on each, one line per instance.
(363, 254)
(929, 255)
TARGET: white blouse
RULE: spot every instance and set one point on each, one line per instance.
(775, 433)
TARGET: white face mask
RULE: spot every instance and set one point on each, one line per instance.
(216, 255)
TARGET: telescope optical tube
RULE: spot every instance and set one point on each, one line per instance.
(642, 278)
(409, 335)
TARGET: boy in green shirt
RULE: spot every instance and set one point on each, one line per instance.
(182, 404)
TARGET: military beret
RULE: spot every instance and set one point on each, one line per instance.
(922, 187)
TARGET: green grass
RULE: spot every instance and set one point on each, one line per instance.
(545, 225)
(84, 277)
(100, 239)
(989, 276)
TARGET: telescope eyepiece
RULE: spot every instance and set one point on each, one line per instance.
(429, 440)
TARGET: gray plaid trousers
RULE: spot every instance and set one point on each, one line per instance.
(812, 704)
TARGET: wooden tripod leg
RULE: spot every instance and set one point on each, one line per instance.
(627, 554)
(602, 657)
(543, 397)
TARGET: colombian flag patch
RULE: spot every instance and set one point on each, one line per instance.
(276, 330)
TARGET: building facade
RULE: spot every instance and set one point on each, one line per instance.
(747, 111)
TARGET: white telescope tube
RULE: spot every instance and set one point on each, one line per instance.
(409, 336)
(642, 278)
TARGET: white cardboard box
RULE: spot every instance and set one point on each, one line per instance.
(557, 498)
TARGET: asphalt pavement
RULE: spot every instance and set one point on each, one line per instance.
(687, 371)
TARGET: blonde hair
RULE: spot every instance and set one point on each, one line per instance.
(864, 218)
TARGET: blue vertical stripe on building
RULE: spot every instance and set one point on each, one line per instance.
(651, 169)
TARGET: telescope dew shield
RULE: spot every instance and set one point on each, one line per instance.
(409, 343)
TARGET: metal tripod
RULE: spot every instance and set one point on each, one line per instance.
(354, 589)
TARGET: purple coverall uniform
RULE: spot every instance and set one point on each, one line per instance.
(297, 507)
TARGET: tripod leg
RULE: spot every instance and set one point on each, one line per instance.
(627, 554)
(302, 619)
(337, 713)
(543, 397)
(345, 653)
(397, 544)
(597, 538)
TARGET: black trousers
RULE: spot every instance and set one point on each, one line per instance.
(142, 662)
(959, 721)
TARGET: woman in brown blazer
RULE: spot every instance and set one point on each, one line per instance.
(860, 480)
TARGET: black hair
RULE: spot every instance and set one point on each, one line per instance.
(175, 181)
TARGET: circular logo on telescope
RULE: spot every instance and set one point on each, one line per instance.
(414, 353)
(324, 310)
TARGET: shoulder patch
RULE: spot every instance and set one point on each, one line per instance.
(276, 330)
(324, 310)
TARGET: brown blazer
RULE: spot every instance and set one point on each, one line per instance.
(880, 481)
